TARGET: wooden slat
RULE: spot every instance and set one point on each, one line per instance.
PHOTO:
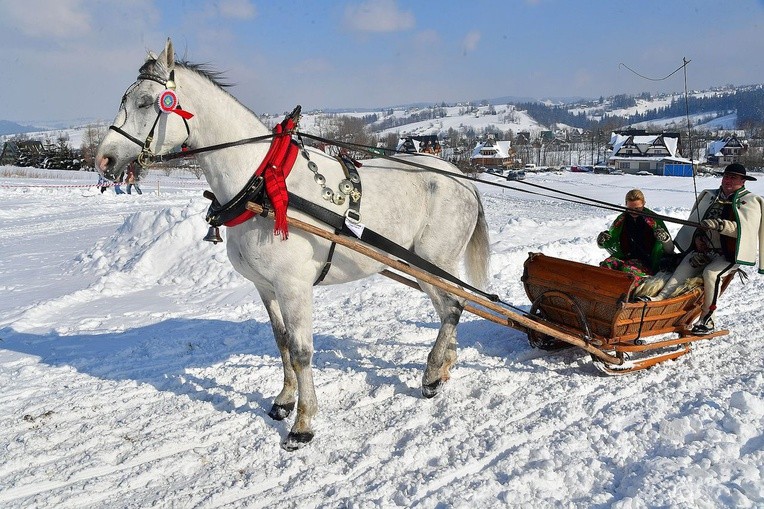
(598, 282)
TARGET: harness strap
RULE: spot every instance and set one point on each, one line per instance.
(353, 213)
(353, 179)
(327, 263)
(374, 239)
(126, 135)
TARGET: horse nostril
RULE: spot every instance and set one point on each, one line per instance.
(103, 163)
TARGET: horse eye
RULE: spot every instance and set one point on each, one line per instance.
(145, 101)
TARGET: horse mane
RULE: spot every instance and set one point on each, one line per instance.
(152, 66)
(215, 76)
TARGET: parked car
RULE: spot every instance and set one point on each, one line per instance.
(581, 169)
(516, 175)
(644, 173)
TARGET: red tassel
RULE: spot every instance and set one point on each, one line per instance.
(183, 113)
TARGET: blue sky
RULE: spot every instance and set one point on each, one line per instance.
(67, 59)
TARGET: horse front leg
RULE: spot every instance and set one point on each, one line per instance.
(297, 311)
(283, 404)
(443, 353)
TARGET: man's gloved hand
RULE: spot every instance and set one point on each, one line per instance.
(713, 224)
(699, 260)
(603, 238)
(661, 235)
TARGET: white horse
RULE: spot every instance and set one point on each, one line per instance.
(438, 217)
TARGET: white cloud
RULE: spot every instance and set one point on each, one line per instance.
(378, 16)
(238, 9)
(39, 18)
(470, 42)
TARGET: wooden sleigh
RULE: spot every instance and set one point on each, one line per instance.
(596, 304)
(572, 304)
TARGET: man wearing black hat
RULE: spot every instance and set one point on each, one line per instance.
(732, 231)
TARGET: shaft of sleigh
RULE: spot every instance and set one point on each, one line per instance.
(509, 318)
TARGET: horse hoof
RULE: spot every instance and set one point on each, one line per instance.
(280, 412)
(296, 440)
(431, 390)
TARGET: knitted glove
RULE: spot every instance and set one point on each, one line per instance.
(661, 235)
(603, 238)
(723, 226)
(699, 260)
(713, 224)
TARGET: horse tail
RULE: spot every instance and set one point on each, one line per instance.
(477, 256)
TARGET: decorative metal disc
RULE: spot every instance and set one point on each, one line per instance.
(327, 194)
(320, 179)
(346, 187)
(338, 199)
(312, 166)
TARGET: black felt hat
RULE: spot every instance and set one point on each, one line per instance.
(737, 169)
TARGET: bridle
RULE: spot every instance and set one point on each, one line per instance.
(168, 103)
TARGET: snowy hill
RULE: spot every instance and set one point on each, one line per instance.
(477, 117)
(74, 134)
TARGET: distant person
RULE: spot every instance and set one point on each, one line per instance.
(131, 178)
(117, 186)
(103, 184)
(637, 243)
(732, 231)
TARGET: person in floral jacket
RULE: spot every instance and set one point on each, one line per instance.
(637, 243)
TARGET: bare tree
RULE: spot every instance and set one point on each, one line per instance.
(94, 133)
(351, 130)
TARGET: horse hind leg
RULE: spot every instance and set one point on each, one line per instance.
(443, 354)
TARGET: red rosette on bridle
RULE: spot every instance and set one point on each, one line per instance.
(168, 103)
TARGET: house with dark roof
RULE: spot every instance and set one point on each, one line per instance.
(725, 151)
(633, 151)
(22, 153)
(426, 144)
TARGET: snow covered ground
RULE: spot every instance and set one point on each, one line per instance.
(137, 370)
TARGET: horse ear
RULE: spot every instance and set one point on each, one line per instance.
(169, 55)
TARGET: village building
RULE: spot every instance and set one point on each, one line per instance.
(726, 151)
(426, 144)
(21, 153)
(635, 151)
(493, 153)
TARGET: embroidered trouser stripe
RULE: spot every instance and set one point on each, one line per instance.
(713, 277)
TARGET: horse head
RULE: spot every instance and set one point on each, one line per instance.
(144, 125)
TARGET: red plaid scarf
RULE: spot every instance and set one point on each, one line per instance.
(275, 169)
(283, 154)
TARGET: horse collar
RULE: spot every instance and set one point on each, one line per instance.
(270, 176)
